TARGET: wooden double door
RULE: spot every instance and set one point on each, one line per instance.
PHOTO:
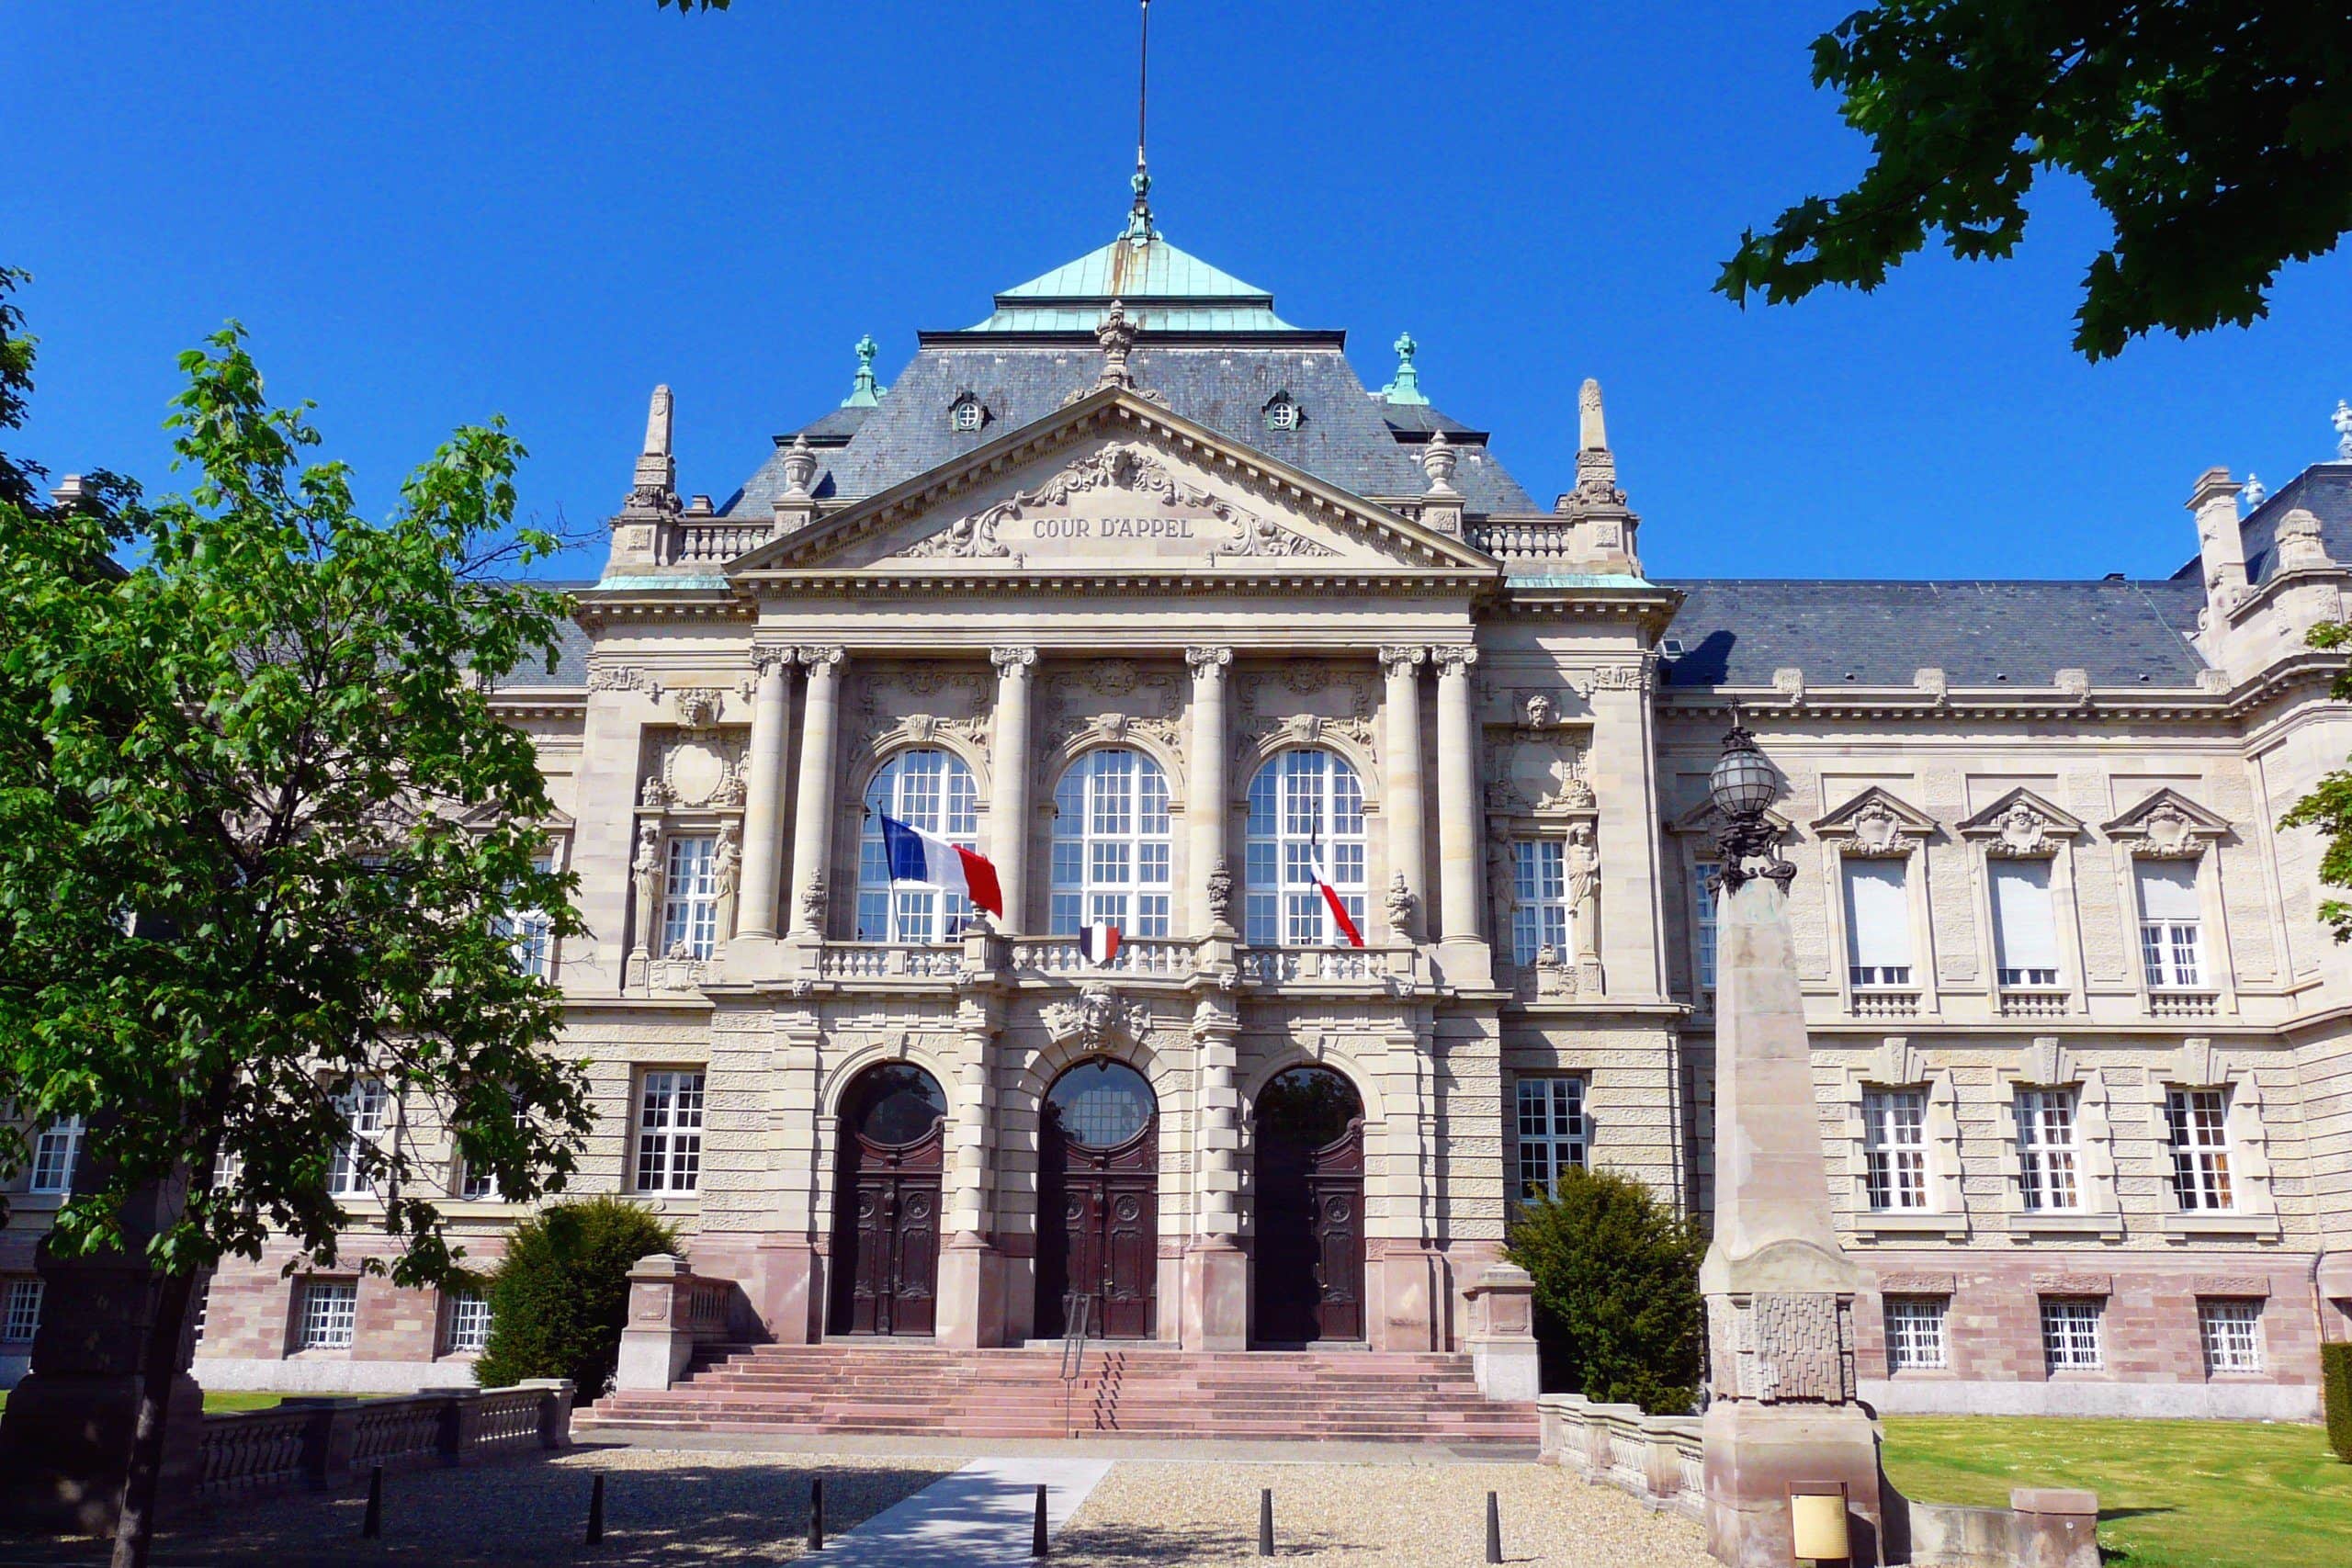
(1098, 1205)
(887, 1215)
(1308, 1257)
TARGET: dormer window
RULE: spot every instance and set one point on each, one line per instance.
(1284, 413)
(966, 414)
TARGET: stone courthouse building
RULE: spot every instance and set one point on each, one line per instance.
(1140, 592)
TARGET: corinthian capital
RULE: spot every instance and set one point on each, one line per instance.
(826, 658)
(1402, 661)
(1455, 661)
(1012, 662)
(1208, 661)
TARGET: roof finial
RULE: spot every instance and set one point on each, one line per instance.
(1140, 230)
(1592, 429)
(2343, 423)
(1407, 387)
(656, 484)
(2255, 493)
(1117, 337)
(865, 392)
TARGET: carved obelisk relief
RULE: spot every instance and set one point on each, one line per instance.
(1780, 1288)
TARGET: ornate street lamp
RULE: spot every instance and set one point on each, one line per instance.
(1741, 787)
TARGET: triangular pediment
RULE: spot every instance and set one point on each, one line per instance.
(1999, 816)
(2167, 814)
(1704, 817)
(1114, 485)
(1879, 804)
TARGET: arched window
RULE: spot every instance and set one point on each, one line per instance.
(1111, 844)
(931, 790)
(1306, 811)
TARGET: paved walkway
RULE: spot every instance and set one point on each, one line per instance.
(984, 1513)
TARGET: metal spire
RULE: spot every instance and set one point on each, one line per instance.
(1140, 230)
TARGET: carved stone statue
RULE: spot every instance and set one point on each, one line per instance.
(1220, 886)
(1400, 904)
(1098, 1019)
(812, 903)
(1582, 861)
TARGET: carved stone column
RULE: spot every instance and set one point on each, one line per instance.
(813, 821)
(971, 1271)
(1008, 812)
(1460, 823)
(764, 797)
(1408, 826)
(1206, 790)
(1217, 1276)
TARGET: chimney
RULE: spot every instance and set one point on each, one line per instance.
(2214, 503)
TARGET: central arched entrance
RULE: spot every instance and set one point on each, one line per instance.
(1309, 1211)
(886, 1216)
(1098, 1202)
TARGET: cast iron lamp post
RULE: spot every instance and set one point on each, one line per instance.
(1742, 785)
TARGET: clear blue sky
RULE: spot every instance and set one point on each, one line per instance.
(426, 212)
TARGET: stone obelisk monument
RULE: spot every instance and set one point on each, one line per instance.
(1780, 1288)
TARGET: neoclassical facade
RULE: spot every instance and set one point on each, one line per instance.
(1138, 591)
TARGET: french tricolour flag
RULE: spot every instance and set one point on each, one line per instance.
(1099, 943)
(918, 856)
(1338, 907)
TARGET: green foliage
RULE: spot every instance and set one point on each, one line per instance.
(1617, 1279)
(2217, 134)
(559, 1299)
(262, 836)
(2336, 1378)
(17, 346)
(2328, 807)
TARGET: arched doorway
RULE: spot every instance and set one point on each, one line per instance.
(1309, 1210)
(886, 1214)
(1098, 1201)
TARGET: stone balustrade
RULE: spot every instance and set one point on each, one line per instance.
(691, 543)
(1328, 966)
(888, 961)
(671, 1311)
(1659, 1459)
(1550, 540)
(325, 1443)
(1136, 955)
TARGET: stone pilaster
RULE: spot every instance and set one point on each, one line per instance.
(764, 797)
(1408, 826)
(971, 1270)
(1217, 1275)
(1009, 814)
(1208, 808)
(1460, 820)
(813, 821)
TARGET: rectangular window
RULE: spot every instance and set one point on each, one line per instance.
(2025, 924)
(1878, 922)
(24, 1312)
(2046, 1153)
(669, 1133)
(1551, 1132)
(2198, 1120)
(690, 896)
(200, 1309)
(2172, 942)
(2233, 1335)
(1914, 1333)
(2071, 1333)
(1894, 1147)
(330, 1313)
(1702, 917)
(1539, 904)
(364, 1108)
(55, 1154)
(479, 1187)
(468, 1327)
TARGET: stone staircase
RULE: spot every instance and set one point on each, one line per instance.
(1145, 1392)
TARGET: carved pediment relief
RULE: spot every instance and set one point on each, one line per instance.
(698, 771)
(2167, 825)
(1542, 777)
(2021, 825)
(1704, 818)
(1875, 823)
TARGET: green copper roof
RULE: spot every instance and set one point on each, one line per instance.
(1163, 289)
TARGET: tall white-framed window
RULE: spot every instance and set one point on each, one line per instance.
(1894, 1147)
(2073, 1333)
(2232, 1332)
(1306, 810)
(1702, 919)
(1878, 922)
(669, 1131)
(2048, 1154)
(365, 1109)
(933, 790)
(2025, 923)
(1539, 899)
(2197, 1122)
(22, 1320)
(1916, 1341)
(530, 933)
(466, 1324)
(690, 896)
(1112, 845)
(330, 1313)
(479, 1185)
(2172, 924)
(55, 1154)
(1551, 1132)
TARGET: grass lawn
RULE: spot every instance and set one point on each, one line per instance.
(2171, 1493)
(226, 1400)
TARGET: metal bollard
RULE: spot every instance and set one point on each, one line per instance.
(596, 1510)
(1494, 1529)
(1037, 1544)
(1266, 1522)
(371, 1526)
(816, 1513)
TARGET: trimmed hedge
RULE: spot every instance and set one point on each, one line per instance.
(1619, 1318)
(2336, 1378)
(559, 1302)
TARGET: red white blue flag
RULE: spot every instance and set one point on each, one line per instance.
(917, 857)
(1100, 944)
(1337, 905)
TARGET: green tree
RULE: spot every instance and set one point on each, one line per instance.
(2217, 134)
(265, 844)
(559, 1301)
(1617, 1281)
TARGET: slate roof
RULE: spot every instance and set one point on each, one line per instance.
(2323, 490)
(1736, 632)
(1344, 438)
